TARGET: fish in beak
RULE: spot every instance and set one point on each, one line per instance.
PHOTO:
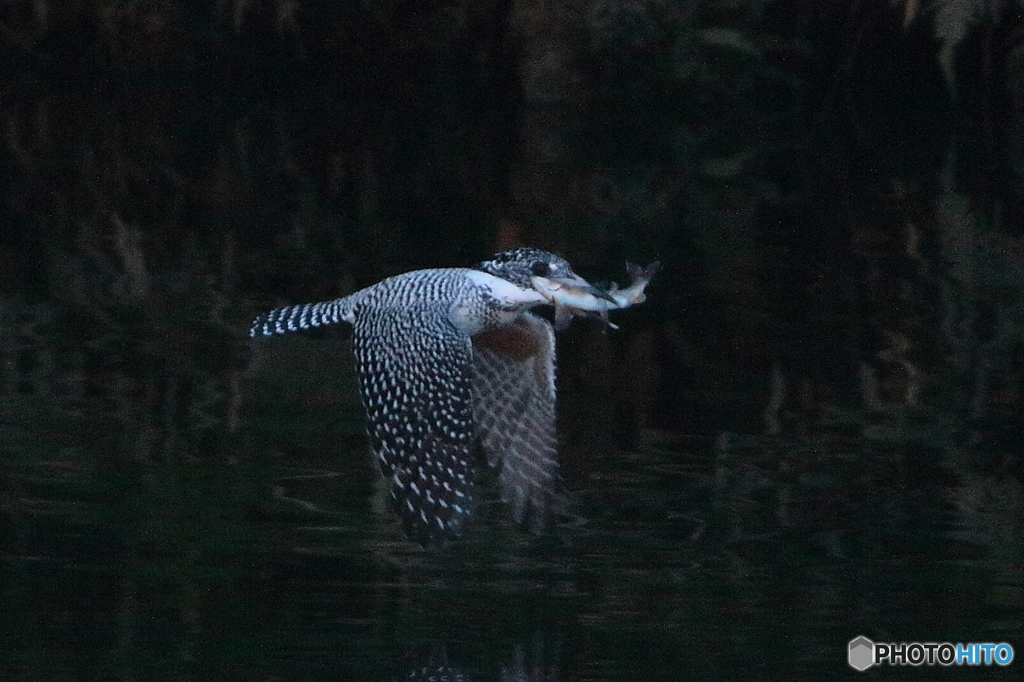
(574, 296)
(574, 292)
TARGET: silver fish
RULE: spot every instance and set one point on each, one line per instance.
(569, 305)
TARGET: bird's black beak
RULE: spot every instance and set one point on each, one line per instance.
(572, 291)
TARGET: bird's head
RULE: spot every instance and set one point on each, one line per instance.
(549, 275)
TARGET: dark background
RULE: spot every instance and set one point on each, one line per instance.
(810, 431)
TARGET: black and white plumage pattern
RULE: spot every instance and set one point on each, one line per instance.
(417, 390)
(514, 414)
(302, 316)
(449, 359)
(292, 318)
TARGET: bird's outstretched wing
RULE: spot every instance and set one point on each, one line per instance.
(514, 411)
(414, 369)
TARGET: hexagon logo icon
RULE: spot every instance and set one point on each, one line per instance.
(861, 654)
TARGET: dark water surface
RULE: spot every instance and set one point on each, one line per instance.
(811, 431)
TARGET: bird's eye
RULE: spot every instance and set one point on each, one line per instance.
(540, 269)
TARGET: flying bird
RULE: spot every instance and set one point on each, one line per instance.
(453, 359)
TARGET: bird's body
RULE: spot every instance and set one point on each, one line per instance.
(449, 359)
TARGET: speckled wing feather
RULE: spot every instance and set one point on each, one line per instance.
(414, 368)
(514, 410)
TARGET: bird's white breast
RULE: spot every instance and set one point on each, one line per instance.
(474, 314)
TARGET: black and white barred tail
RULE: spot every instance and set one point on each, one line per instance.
(292, 318)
